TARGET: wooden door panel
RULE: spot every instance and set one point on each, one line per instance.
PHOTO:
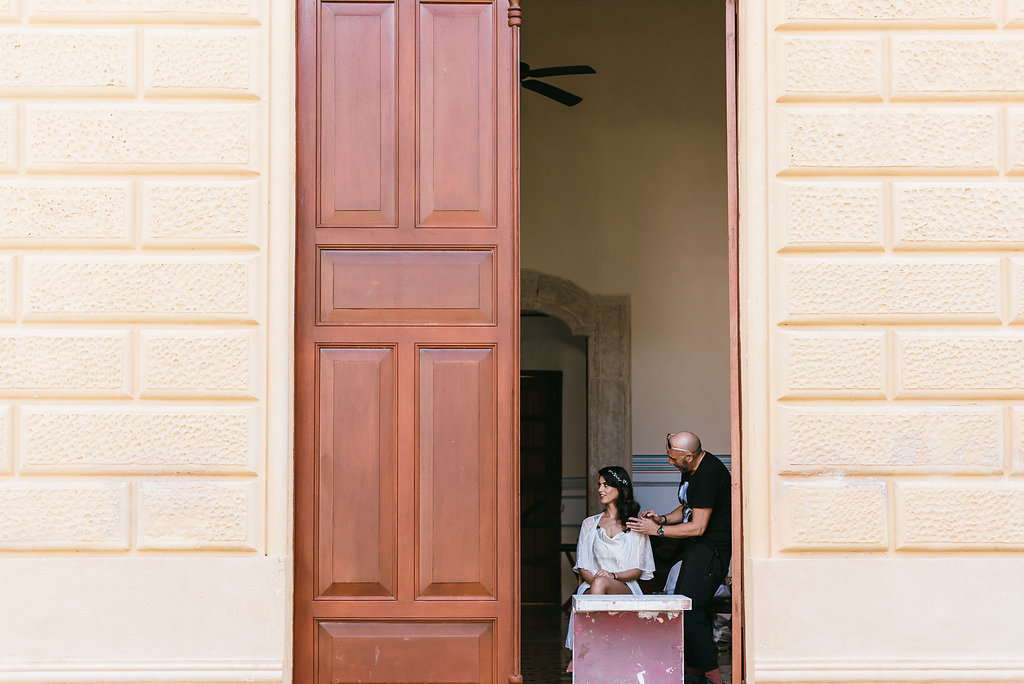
(457, 125)
(357, 506)
(435, 287)
(406, 334)
(357, 120)
(456, 492)
(405, 652)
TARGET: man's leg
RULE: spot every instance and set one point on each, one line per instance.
(699, 579)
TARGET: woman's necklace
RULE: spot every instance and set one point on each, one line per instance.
(610, 524)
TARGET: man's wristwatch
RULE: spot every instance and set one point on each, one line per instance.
(661, 530)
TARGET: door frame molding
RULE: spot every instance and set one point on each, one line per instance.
(735, 358)
(604, 320)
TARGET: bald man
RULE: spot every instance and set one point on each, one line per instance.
(703, 521)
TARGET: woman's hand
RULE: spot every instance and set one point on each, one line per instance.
(603, 573)
(644, 524)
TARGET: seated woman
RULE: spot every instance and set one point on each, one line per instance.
(610, 558)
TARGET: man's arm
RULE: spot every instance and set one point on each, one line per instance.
(672, 518)
(694, 528)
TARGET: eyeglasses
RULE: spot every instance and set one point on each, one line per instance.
(668, 445)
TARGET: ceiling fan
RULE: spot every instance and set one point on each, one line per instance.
(527, 80)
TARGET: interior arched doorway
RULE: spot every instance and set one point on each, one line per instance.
(604, 321)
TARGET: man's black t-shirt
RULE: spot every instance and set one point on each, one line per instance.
(710, 486)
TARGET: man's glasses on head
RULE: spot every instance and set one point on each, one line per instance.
(668, 445)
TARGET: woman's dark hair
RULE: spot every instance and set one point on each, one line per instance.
(617, 477)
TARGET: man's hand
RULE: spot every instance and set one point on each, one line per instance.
(650, 514)
(643, 524)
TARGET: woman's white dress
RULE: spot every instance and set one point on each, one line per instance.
(595, 551)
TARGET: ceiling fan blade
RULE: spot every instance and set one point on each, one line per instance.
(556, 94)
(569, 70)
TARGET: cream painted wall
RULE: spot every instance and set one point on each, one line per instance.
(146, 180)
(626, 192)
(548, 344)
(881, 227)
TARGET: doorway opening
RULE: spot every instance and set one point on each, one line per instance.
(553, 461)
(629, 195)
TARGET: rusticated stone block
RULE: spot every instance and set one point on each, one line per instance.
(200, 213)
(208, 60)
(823, 514)
(209, 363)
(197, 515)
(144, 439)
(6, 444)
(72, 515)
(59, 212)
(958, 65)
(834, 66)
(1017, 289)
(858, 288)
(8, 138)
(7, 288)
(1015, 13)
(887, 438)
(832, 214)
(972, 12)
(68, 60)
(985, 513)
(157, 135)
(145, 10)
(831, 364)
(55, 363)
(952, 213)
(961, 364)
(903, 138)
(1016, 150)
(137, 288)
(1017, 440)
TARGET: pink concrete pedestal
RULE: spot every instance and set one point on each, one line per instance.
(622, 639)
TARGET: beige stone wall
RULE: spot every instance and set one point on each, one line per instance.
(881, 151)
(146, 183)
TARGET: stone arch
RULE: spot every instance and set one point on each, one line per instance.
(604, 321)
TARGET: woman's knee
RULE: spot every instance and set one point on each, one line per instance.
(600, 585)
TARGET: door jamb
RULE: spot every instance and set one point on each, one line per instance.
(735, 388)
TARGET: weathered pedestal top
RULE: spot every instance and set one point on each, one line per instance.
(661, 603)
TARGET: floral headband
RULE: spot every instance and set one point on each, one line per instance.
(616, 478)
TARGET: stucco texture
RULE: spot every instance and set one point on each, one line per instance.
(880, 145)
(135, 447)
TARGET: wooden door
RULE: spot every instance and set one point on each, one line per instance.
(540, 486)
(406, 331)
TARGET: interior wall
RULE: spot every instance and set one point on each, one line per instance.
(548, 344)
(626, 193)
